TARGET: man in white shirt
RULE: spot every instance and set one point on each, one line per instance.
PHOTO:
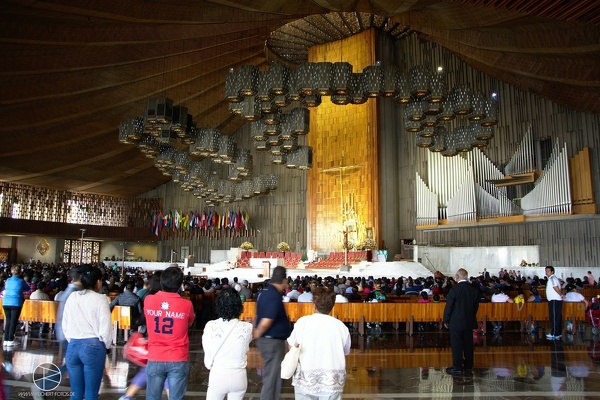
(306, 296)
(555, 299)
(40, 293)
(294, 293)
(339, 298)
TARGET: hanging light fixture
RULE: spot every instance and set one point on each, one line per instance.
(478, 107)
(438, 140)
(294, 93)
(372, 80)
(403, 96)
(279, 79)
(391, 75)
(424, 142)
(250, 108)
(290, 144)
(341, 73)
(414, 111)
(357, 95)
(438, 88)
(311, 100)
(179, 121)
(257, 130)
(304, 78)
(247, 80)
(263, 92)
(412, 126)
(419, 81)
(322, 76)
(232, 94)
(461, 97)
(491, 112)
(300, 121)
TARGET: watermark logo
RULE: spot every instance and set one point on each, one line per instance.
(47, 376)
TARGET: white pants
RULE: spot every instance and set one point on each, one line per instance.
(226, 382)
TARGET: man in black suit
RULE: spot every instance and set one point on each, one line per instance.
(460, 316)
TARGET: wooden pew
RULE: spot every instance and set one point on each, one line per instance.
(425, 312)
(45, 311)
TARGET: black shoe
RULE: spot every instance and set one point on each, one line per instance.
(454, 371)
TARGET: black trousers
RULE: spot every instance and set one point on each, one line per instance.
(461, 342)
(555, 314)
(11, 315)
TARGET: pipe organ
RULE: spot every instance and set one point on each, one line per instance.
(552, 191)
(470, 188)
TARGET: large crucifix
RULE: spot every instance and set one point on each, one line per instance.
(342, 169)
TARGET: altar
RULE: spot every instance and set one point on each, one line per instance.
(273, 262)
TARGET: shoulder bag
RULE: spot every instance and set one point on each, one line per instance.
(290, 362)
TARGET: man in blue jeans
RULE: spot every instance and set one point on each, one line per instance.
(168, 317)
(271, 331)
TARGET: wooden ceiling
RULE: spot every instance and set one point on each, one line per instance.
(72, 70)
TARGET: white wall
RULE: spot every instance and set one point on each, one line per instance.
(474, 259)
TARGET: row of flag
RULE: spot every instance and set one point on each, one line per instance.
(199, 221)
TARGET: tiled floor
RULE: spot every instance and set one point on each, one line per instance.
(382, 365)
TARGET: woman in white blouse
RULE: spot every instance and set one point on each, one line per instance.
(324, 342)
(88, 329)
(226, 342)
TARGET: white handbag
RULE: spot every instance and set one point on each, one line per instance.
(290, 362)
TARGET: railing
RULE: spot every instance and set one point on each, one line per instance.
(45, 311)
(425, 312)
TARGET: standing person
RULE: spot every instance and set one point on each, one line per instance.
(272, 329)
(12, 303)
(324, 342)
(226, 342)
(87, 326)
(168, 317)
(555, 298)
(460, 316)
(61, 297)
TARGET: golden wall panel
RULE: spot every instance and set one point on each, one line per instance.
(342, 186)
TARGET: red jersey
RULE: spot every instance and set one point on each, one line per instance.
(168, 316)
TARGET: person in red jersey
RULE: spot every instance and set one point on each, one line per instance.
(168, 317)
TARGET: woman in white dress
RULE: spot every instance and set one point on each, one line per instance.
(226, 342)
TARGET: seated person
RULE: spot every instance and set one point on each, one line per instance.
(534, 296)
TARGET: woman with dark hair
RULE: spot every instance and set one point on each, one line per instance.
(324, 342)
(226, 342)
(12, 303)
(87, 327)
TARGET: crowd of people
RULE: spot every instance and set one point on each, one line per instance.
(163, 312)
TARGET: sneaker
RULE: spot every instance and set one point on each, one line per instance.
(125, 398)
(549, 336)
(10, 343)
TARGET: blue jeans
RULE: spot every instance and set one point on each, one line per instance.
(85, 363)
(175, 371)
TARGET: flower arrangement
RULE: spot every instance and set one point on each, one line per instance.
(246, 246)
(523, 263)
(368, 244)
(349, 245)
(283, 246)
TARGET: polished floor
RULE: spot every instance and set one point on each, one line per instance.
(383, 364)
